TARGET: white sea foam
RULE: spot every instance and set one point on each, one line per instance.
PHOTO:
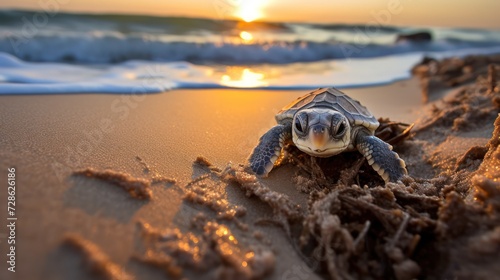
(112, 47)
(20, 77)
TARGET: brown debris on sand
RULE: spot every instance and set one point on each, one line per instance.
(404, 231)
(466, 114)
(467, 108)
(203, 161)
(493, 88)
(136, 187)
(156, 177)
(211, 247)
(466, 111)
(419, 228)
(366, 232)
(492, 78)
(471, 231)
(215, 252)
(97, 261)
(487, 178)
(145, 166)
(471, 158)
(213, 196)
(452, 72)
(283, 207)
(393, 132)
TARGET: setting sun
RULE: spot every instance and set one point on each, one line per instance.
(250, 10)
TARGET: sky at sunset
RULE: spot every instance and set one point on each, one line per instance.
(454, 13)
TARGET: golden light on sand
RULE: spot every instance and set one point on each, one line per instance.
(250, 10)
(247, 79)
(246, 36)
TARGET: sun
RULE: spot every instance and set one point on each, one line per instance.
(250, 10)
(249, 16)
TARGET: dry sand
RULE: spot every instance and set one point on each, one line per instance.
(181, 232)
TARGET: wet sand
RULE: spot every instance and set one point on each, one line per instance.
(158, 138)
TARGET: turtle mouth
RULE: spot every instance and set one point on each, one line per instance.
(321, 152)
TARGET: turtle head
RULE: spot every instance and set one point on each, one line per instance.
(321, 132)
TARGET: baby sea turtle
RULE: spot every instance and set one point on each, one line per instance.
(324, 123)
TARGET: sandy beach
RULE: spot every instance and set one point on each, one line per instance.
(66, 219)
(47, 138)
(136, 140)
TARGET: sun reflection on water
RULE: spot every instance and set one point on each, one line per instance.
(246, 36)
(247, 79)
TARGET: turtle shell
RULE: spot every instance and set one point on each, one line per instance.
(331, 98)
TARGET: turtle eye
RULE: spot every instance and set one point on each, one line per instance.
(341, 129)
(300, 124)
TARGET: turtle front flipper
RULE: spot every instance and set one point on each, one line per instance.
(380, 156)
(269, 148)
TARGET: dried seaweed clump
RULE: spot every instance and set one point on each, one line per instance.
(203, 161)
(414, 229)
(213, 196)
(451, 72)
(487, 179)
(136, 187)
(97, 261)
(470, 232)
(282, 205)
(470, 108)
(353, 233)
(214, 252)
(156, 177)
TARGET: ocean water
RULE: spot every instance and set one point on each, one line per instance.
(78, 53)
